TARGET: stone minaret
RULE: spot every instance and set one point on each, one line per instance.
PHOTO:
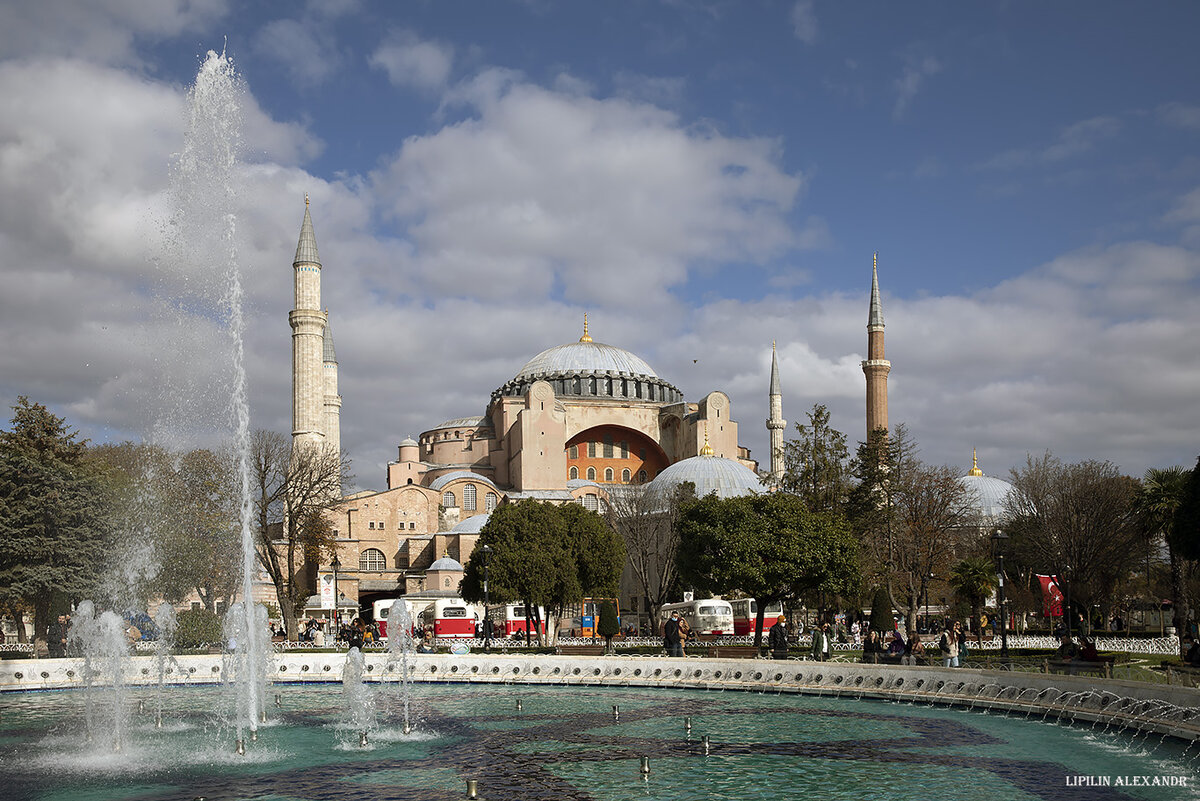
(876, 367)
(333, 401)
(308, 341)
(775, 422)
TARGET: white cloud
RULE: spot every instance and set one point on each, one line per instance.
(608, 199)
(1073, 141)
(414, 62)
(299, 46)
(99, 30)
(1180, 115)
(916, 69)
(804, 21)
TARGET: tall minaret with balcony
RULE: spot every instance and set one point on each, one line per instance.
(775, 422)
(876, 367)
(308, 341)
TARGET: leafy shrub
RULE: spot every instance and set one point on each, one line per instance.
(197, 628)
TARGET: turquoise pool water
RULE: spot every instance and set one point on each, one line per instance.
(564, 744)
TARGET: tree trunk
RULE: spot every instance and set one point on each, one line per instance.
(758, 624)
(1179, 594)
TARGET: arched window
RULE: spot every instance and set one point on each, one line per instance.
(574, 472)
(625, 475)
(448, 500)
(641, 476)
(591, 474)
(372, 560)
(469, 498)
(608, 474)
(490, 501)
(591, 503)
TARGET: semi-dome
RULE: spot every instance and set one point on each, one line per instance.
(989, 495)
(472, 525)
(441, 481)
(726, 477)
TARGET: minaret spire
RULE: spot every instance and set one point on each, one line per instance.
(876, 367)
(775, 422)
(308, 323)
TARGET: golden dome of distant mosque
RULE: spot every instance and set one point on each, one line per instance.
(989, 495)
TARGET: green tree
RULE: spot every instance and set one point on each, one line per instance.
(1158, 502)
(816, 464)
(973, 581)
(770, 547)
(53, 520)
(610, 624)
(881, 611)
(1184, 540)
(545, 555)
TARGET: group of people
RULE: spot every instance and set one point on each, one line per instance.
(675, 634)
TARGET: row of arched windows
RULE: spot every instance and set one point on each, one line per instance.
(609, 475)
(469, 501)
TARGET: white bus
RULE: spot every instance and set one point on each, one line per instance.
(710, 616)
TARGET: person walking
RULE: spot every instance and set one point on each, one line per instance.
(820, 642)
(777, 639)
(948, 645)
(671, 637)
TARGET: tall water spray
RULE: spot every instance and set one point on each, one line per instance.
(400, 645)
(205, 187)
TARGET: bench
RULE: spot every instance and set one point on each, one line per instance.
(735, 652)
(1099, 667)
(579, 650)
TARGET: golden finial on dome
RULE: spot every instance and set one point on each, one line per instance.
(707, 449)
(975, 471)
(586, 337)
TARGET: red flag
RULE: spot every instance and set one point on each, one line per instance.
(1052, 596)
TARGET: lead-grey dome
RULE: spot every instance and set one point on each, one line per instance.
(988, 495)
(585, 358)
(726, 477)
(446, 563)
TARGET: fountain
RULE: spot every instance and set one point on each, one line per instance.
(580, 740)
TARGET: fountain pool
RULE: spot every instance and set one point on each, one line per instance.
(565, 743)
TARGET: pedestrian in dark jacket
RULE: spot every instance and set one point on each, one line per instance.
(672, 640)
(777, 639)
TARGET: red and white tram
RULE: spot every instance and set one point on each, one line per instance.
(508, 619)
(450, 618)
(745, 615)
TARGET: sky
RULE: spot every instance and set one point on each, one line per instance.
(701, 178)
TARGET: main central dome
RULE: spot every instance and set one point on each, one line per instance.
(585, 358)
(593, 370)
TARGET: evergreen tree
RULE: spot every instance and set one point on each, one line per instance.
(610, 624)
(770, 547)
(816, 465)
(52, 516)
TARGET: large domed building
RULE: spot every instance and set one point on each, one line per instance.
(989, 496)
(575, 424)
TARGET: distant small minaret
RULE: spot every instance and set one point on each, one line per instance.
(876, 367)
(333, 401)
(308, 340)
(775, 422)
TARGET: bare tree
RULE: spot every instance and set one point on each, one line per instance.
(1079, 521)
(646, 522)
(293, 488)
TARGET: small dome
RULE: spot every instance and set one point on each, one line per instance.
(472, 525)
(586, 358)
(408, 442)
(989, 495)
(446, 563)
(726, 477)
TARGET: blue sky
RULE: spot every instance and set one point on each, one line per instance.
(702, 178)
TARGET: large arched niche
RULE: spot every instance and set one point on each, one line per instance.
(615, 448)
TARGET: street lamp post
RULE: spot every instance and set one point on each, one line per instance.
(487, 620)
(336, 565)
(925, 582)
(998, 538)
